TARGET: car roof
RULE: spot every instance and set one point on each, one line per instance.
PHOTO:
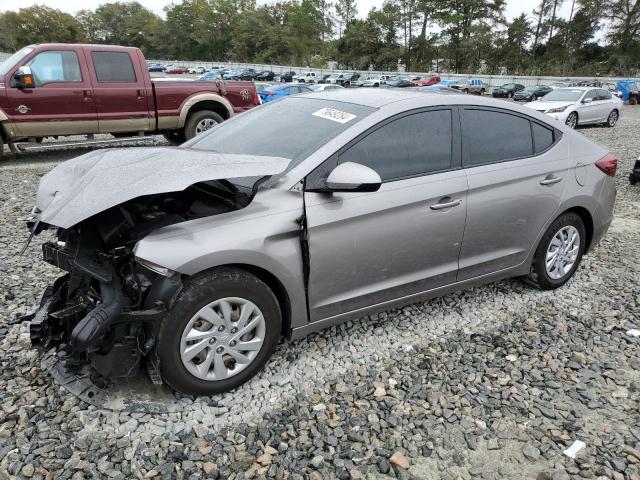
(383, 97)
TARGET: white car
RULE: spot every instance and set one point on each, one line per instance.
(309, 77)
(197, 70)
(580, 106)
(321, 87)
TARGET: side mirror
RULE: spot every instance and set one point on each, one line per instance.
(353, 177)
(23, 78)
(587, 100)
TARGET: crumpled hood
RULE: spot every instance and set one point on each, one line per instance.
(544, 106)
(89, 184)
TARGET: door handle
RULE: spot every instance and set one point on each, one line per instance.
(551, 180)
(140, 94)
(442, 206)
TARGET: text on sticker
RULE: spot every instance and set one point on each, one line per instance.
(335, 115)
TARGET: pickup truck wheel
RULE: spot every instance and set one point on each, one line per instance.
(200, 122)
(222, 329)
(175, 137)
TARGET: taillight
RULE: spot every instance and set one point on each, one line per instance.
(256, 98)
(608, 164)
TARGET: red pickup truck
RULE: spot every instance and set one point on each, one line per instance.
(63, 89)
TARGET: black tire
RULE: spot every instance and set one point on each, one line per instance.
(123, 134)
(510, 95)
(481, 91)
(568, 122)
(175, 137)
(538, 274)
(466, 90)
(190, 128)
(199, 291)
(633, 100)
(612, 119)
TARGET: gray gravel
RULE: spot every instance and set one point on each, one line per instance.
(492, 382)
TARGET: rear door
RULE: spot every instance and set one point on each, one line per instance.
(369, 248)
(122, 96)
(604, 104)
(62, 101)
(517, 172)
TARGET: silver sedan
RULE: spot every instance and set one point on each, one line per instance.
(302, 214)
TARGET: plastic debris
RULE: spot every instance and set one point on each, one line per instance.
(575, 447)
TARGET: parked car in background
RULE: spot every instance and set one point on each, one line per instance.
(447, 83)
(376, 80)
(265, 76)
(400, 81)
(350, 79)
(280, 91)
(471, 86)
(629, 91)
(210, 76)
(68, 89)
(176, 70)
(439, 88)
(292, 218)
(580, 106)
(157, 67)
(309, 77)
(323, 78)
(246, 74)
(321, 87)
(532, 93)
(507, 90)
(555, 85)
(199, 70)
(286, 76)
(427, 80)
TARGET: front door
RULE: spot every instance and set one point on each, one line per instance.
(517, 172)
(590, 111)
(61, 102)
(122, 97)
(370, 248)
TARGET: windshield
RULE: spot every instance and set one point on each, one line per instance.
(293, 128)
(10, 62)
(563, 95)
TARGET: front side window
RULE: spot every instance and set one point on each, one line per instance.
(591, 95)
(412, 145)
(490, 136)
(113, 67)
(604, 95)
(55, 67)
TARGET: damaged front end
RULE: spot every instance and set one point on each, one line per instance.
(105, 312)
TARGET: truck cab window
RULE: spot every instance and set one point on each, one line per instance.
(55, 67)
(113, 67)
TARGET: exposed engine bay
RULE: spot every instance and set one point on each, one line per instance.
(106, 309)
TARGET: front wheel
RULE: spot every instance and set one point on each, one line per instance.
(572, 120)
(612, 119)
(559, 253)
(200, 122)
(221, 331)
(510, 95)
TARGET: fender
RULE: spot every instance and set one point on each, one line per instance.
(201, 97)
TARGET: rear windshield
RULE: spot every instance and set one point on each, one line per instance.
(293, 128)
(563, 95)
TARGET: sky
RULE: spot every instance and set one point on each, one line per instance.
(514, 7)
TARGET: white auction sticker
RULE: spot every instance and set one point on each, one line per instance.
(335, 115)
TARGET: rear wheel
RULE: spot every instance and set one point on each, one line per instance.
(633, 100)
(200, 122)
(510, 94)
(572, 120)
(466, 90)
(221, 331)
(559, 252)
(612, 119)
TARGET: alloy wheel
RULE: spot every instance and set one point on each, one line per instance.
(222, 338)
(572, 120)
(562, 252)
(613, 118)
(205, 124)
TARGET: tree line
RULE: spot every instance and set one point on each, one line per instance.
(599, 37)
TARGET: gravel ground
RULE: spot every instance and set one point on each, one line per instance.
(492, 382)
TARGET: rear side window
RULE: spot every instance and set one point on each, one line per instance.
(411, 145)
(55, 67)
(490, 136)
(113, 67)
(542, 137)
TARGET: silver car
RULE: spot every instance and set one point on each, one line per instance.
(302, 214)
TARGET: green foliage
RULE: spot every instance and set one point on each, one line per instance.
(456, 35)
